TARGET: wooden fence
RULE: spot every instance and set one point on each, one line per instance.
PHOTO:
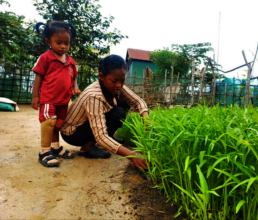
(189, 91)
(16, 83)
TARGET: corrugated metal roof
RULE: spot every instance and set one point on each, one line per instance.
(139, 54)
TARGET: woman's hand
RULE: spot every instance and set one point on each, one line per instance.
(145, 114)
(35, 103)
(139, 162)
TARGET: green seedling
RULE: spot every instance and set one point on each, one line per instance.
(203, 159)
(123, 187)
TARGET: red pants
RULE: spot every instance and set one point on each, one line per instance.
(47, 111)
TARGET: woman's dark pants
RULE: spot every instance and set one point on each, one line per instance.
(83, 133)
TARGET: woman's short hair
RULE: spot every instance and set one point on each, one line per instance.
(111, 62)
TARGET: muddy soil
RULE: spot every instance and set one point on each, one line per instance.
(78, 189)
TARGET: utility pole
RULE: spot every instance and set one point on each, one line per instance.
(218, 37)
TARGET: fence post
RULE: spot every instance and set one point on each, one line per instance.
(214, 85)
(225, 95)
(177, 86)
(4, 85)
(187, 92)
(19, 91)
(201, 86)
(171, 84)
(233, 94)
(165, 84)
(192, 86)
(13, 78)
(154, 81)
(247, 86)
(239, 99)
(134, 80)
(143, 79)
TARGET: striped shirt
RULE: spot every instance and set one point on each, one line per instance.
(91, 105)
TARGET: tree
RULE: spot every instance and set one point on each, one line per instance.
(16, 38)
(165, 59)
(92, 29)
(198, 51)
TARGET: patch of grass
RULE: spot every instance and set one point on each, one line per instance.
(15, 149)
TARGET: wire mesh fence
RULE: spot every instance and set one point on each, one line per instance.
(16, 83)
(233, 91)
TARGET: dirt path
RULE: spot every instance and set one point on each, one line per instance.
(78, 189)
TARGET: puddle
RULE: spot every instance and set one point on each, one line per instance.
(68, 163)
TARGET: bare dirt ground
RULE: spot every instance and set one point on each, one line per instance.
(78, 189)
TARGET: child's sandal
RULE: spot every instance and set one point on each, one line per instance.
(64, 155)
(50, 157)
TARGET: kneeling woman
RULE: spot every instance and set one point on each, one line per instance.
(99, 111)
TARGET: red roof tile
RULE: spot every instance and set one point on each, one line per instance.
(139, 54)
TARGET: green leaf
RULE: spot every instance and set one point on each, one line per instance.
(251, 180)
(228, 174)
(184, 191)
(214, 165)
(239, 205)
(204, 184)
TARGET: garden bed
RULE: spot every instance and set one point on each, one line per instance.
(204, 160)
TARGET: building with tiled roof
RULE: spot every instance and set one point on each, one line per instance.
(138, 60)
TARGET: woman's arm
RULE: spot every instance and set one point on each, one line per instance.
(36, 86)
(96, 116)
(123, 151)
(133, 100)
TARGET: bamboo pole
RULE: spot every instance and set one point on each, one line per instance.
(177, 85)
(233, 94)
(201, 86)
(219, 89)
(247, 86)
(187, 92)
(19, 91)
(165, 84)
(171, 84)
(154, 80)
(225, 95)
(214, 85)
(143, 79)
(192, 85)
(134, 80)
(239, 99)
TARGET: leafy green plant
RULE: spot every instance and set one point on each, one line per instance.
(199, 53)
(165, 59)
(17, 43)
(203, 159)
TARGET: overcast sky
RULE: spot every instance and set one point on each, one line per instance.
(152, 25)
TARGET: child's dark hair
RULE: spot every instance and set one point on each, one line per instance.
(111, 62)
(55, 27)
